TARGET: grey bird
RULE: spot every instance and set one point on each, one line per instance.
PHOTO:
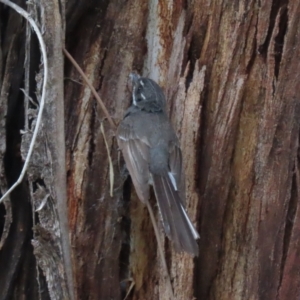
(152, 155)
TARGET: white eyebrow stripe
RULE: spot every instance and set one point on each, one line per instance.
(143, 96)
(141, 82)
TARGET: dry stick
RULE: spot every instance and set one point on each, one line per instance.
(110, 120)
(111, 169)
(112, 123)
(23, 13)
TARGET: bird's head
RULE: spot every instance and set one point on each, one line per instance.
(147, 94)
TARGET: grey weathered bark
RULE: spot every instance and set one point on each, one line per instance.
(230, 73)
(47, 172)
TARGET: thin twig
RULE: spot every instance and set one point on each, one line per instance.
(23, 13)
(111, 168)
(160, 248)
(87, 81)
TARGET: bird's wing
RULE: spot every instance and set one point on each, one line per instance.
(136, 155)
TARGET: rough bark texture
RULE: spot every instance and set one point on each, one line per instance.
(230, 72)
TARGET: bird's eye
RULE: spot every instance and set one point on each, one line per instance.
(139, 90)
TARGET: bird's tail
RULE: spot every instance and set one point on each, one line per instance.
(177, 225)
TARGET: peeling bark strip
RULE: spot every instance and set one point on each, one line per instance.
(57, 227)
(229, 70)
(34, 26)
(52, 172)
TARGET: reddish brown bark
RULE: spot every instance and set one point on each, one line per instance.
(230, 73)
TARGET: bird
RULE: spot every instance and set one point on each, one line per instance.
(152, 155)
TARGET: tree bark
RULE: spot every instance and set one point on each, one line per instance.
(230, 74)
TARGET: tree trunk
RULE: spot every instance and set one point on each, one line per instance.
(230, 74)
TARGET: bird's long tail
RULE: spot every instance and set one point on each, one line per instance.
(177, 225)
